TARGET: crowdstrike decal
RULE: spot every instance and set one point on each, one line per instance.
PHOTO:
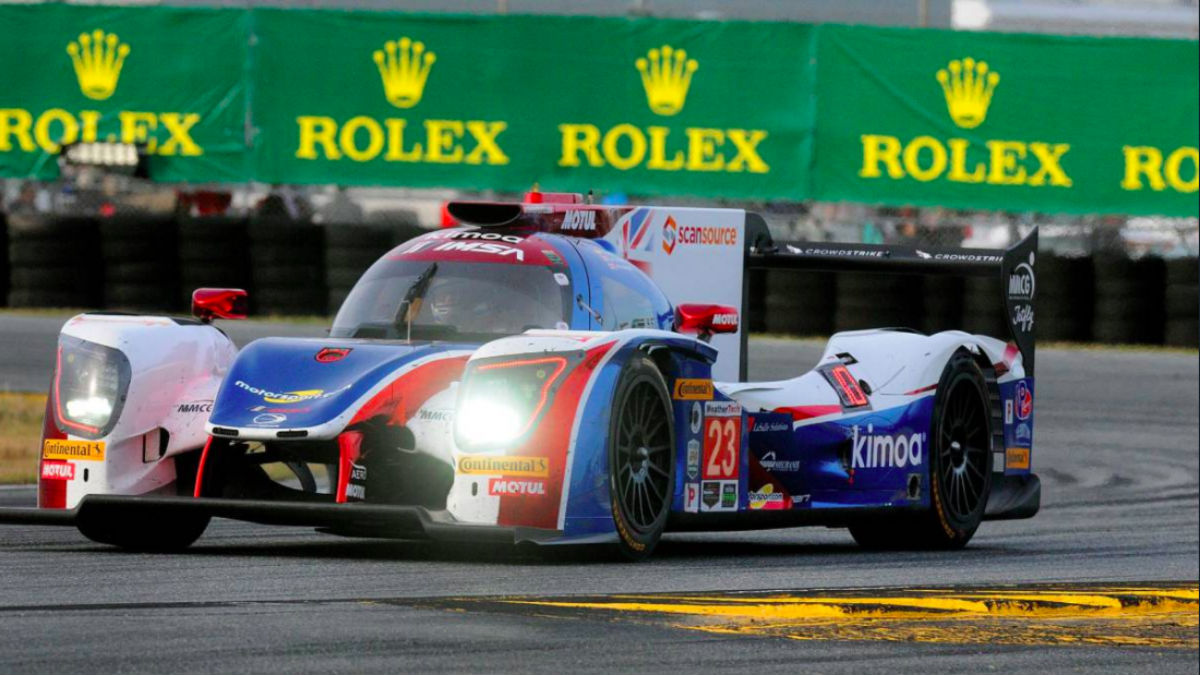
(877, 451)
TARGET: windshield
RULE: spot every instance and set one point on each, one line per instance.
(461, 301)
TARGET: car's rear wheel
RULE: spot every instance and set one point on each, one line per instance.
(960, 468)
(641, 451)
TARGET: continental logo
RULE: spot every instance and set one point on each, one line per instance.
(666, 73)
(666, 76)
(98, 59)
(693, 390)
(532, 467)
(404, 67)
(1016, 458)
(968, 87)
(90, 451)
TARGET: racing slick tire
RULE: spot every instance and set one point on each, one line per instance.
(641, 454)
(960, 468)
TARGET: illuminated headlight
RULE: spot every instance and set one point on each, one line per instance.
(499, 402)
(90, 383)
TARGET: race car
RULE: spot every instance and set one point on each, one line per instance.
(552, 372)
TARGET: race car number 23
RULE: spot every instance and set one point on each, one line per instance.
(722, 438)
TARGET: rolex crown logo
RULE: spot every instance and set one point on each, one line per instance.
(968, 86)
(404, 66)
(666, 76)
(98, 59)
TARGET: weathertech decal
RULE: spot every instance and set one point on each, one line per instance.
(91, 451)
(537, 467)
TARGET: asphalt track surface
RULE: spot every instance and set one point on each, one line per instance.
(1116, 445)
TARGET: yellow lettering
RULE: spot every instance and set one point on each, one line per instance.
(179, 127)
(658, 151)
(746, 143)
(578, 138)
(878, 149)
(91, 120)
(912, 158)
(41, 130)
(347, 139)
(702, 149)
(1049, 156)
(958, 163)
(314, 130)
(1142, 160)
(1171, 169)
(1005, 169)
(16, 122)
(485, 134)
(440, 136)
(136, 127)
(637, 146)
(396, 151)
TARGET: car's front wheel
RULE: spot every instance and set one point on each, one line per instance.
(641, 453)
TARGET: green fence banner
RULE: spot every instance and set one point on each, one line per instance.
(171, 78)
(614, 105)
(1013, 122)
(742, 110)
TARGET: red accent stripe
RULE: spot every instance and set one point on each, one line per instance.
(52, 493)
(200, 468)
(551, 439)
(409, 392)
(922, 390)
(349, 446)
(804, 412)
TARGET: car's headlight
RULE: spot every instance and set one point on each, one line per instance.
(500, 402)
(90, 382)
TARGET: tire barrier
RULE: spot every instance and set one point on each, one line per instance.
(154, 264)
(1127, 299)
(212, 252)
(53, 262)
(1181, 303)
(139, 264)
(287, 267)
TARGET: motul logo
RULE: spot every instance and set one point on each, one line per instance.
(724, 319)
(498, 487)
(58, 471)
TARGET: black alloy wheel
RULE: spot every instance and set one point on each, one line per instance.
(641, 457)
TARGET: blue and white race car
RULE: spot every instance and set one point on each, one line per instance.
(550, 372)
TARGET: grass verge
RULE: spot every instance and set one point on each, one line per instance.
(20, 436)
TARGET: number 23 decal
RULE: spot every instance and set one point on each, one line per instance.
(722, 440)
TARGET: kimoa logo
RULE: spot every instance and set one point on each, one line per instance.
(404, 66)
(874, 451)
(97, 59)
(666, 74)
(967, 85)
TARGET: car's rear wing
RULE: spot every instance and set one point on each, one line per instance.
(1014, 267)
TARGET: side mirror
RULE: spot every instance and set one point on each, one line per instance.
(706, 320)
(219, 303)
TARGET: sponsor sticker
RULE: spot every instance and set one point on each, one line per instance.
(561, 279)
(57, 448)
(766, 498)
(691, 498)
(770, 463)
(696, 419)
(54, 470)
(693, 389)
(268, 420)
(435, 415)
(289, 396)
(722, 445)
(499, 487)
(583, 221)
(719, 495)
(729, 496)
(1016, 458)
(693, 459)
(1008, 412)
(195, 407)
(1024, 432)
(1024, 401)
(356, 488)
(534, 467)
(882, 451)
(1021, 281)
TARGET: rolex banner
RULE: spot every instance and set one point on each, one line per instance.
(1013, 122)
(170, 78)
(742, 110)
(644, 107)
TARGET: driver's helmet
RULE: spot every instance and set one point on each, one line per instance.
(455, 302)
